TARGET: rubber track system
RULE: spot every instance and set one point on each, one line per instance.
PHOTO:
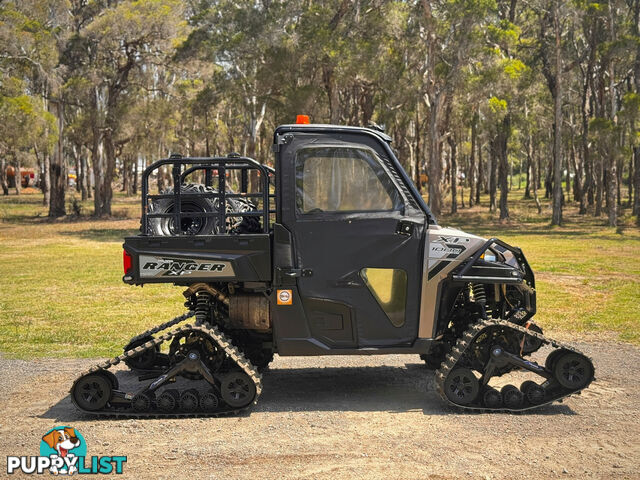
(456, 358)
(121, 409)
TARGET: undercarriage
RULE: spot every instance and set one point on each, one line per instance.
(217, 378)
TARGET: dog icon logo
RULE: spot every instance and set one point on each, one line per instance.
(66, 444)
(63, 451)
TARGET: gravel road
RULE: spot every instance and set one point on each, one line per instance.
(348, 417)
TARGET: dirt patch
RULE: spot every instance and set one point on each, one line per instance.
(348, 417)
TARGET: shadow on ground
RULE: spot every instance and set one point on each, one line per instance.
(393, 389)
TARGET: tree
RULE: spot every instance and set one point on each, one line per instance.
(117, 43)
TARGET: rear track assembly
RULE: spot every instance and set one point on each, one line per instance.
(234, 385)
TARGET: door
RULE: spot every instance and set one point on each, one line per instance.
(358, 242)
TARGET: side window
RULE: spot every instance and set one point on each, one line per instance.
(389, 287)
(342, 179)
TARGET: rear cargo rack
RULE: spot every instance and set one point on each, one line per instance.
(218, 172)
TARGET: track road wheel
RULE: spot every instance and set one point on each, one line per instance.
(572, 370)
(511, 396)
(462, 386)
(142, 402)
(533, 392)
(209, 402)
(92, 392)
(189, 400)
(492, 398)
(168, 400)
(237, 389)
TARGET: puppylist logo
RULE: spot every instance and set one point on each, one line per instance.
(63, 451)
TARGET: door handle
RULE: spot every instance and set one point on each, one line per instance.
(405, 227)
(296, 272)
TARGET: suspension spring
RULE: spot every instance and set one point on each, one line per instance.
(480, 296)
(202, 308)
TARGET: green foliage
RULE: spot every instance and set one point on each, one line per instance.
(498, 106)
(25, 124)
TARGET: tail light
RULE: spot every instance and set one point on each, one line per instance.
(127, 263)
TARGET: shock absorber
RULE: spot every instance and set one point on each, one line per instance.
(203, 302)
(480, 297)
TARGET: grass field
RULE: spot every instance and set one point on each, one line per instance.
(61, 293)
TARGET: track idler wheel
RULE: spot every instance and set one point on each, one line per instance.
(462, 386)
(572, 370)
(145, 360)
(512, 397)
(492, 398)
(529, 343)
(237, 389)
(92, 392)
(189, 400)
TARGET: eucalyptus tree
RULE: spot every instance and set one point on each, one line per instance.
(117, 43)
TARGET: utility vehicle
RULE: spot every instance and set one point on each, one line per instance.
(333, 252)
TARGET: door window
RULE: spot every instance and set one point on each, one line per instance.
(342, 179)
(389, 288)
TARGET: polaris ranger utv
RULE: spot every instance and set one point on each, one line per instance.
(333, 252)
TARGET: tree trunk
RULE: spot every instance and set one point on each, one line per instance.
(135, 173)
(612, 191)
(453, 175)
(527, 184)
(556, 216)
(96, 160)
(534, 171)
(472, 158)
(125, 175)
(3, 176)
(417, 153)
(435, 162)
(18, 174)
(504, 131)
(480, 181)
(83, 176)
(636, 149)
(578, 182)
(77, 151)
(599, 174)
(612, 178)
(110, 168)
(57, 172)
(45, 181)
(492, 174)
(636, 183)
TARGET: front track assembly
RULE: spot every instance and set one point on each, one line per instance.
(493, 348)
(199, 354)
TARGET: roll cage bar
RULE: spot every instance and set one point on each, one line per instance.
(214, 167)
